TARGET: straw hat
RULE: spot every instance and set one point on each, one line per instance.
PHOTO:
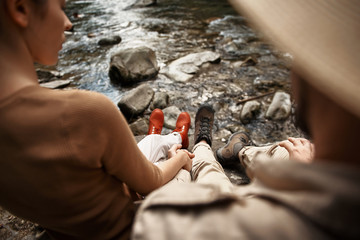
(322, 35)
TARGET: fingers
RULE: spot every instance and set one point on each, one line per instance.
(191, 155)
(295, 141)
(299, 149)
(172, 151)
(287, 145)
(175, 147)
(299, 141)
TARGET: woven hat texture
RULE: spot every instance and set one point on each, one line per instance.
(322, 35)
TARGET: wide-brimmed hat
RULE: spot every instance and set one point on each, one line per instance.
(322, 35)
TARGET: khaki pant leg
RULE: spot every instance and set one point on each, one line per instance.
(247, 154)
(182, 176)
(207, 170)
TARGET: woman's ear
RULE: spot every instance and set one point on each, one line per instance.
(18, 11)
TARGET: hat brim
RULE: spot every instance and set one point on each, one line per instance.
(323, 36)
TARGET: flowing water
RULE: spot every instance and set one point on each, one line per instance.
(174, 29)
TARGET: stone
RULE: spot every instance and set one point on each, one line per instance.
(249, 111)
(109, 41)
(263, 83)
(132, 65)
(56, 84)
(230, 47)
(161, 101)
(236, 128)
(280, 106)
(183, 69)
(46, 75)
(136, 101)
(144, 3)
(250, 61)
(170, 116)
(139, 127)
(236, 111)
(222, 135)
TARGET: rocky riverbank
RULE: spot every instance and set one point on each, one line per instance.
(198, 52)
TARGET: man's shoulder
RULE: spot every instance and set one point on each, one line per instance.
(203, 211)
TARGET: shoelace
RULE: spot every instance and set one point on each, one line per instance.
(154, 130)
(204, 129)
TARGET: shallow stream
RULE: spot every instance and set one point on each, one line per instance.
(174, 29)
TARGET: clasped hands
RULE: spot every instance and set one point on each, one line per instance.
(188, 156)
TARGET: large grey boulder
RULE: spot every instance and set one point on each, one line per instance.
(161, 101)
(136, 101)
(280, 106)
(170, 116)
(132, 65)
(183, 69)
(249, 111)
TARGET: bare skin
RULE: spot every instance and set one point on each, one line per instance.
(17, 40)
(300, 149)
(335, 131)
(176, 149)
(28, 36)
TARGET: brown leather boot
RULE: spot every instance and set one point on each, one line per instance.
(204, 122)
(229, 154)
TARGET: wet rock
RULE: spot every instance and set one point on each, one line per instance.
(144, 3)
(109, 41)
(250, 61)
(133, 65)
(236, 111)
(56, 84)
(212, 19)
(222, 135)
(91, 35)
(236, 128)
(249, 111)
(136, 101)
(231, 47)
(183, 68)
(170, 116)
(139, 127)
(280, 106)
(46, 75)
(263, 83)
(161, 101)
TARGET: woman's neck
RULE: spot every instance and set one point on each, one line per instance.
(16, 68)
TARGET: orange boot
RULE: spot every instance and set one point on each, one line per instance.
(156, 122)
(182, 126)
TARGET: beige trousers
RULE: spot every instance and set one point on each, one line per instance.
(248, 153)
(207, 170)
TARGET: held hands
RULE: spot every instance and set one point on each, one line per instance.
(299, 149)
(184, 154)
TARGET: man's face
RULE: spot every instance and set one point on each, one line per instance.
(300, 89)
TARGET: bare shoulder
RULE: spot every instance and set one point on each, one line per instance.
(85, 105)
(87, 100)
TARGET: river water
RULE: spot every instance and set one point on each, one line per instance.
(174, 29)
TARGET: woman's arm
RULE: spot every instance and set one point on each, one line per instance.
(177, 159)
(120, 155)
